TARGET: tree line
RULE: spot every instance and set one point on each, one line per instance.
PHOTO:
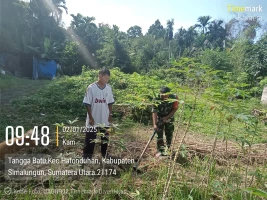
(36, 27)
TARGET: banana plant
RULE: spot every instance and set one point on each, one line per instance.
(47, 50)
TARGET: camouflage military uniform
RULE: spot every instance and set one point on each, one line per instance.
(163, 108)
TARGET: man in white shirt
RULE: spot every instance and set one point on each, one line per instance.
(98, 100)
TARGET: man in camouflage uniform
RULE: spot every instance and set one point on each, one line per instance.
(164, 107)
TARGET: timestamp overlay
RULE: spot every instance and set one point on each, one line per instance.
(61, 162)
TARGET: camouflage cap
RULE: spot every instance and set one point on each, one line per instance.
(164, 90)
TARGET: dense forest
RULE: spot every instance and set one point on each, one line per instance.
(217, 68)
(36, 27)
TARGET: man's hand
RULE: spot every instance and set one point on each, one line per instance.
(155, 127)
(91, 121)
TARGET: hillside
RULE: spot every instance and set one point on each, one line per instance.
(215, 160)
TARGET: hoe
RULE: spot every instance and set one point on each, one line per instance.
(159, 124)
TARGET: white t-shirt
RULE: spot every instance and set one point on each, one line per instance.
(99, 99)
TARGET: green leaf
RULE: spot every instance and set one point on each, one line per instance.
(257, 192)
(60, 125)
(242, 117)
(190, 197)
(47, 44)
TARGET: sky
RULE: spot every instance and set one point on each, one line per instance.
(126, 13)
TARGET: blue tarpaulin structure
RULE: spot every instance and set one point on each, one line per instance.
(44, 69)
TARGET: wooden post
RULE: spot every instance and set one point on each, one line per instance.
(264, 96)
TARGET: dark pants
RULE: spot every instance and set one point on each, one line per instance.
(89, 144)
(168, 127)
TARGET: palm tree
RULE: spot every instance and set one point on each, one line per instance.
(45, 8)
(60, 6)
(216, 33)
(190, 36)
(180, 39)
(185, 39)
(86, 30)
(203, 23)
(82, 22)
(169, 30)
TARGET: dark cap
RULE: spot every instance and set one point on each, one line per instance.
(164, 89)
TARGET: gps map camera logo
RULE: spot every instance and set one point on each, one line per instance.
(243, 12)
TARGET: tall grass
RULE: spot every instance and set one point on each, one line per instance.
(204, 107)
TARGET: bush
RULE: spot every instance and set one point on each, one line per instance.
(218, 60)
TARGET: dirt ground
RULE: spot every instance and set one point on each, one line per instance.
(135, 140)
(201, 146)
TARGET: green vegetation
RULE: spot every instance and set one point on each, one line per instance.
(226, 45)
(61, 100)
(11, 82)
(216, 112)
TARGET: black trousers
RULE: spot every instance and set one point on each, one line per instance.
(89, 144)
